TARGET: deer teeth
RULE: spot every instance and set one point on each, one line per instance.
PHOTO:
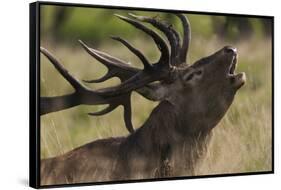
(233, 65)
(232, 69)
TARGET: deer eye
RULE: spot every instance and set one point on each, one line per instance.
(189, 76)
(198, 72)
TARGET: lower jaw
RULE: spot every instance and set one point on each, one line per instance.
(240, 80)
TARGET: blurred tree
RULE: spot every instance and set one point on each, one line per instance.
(267, 26)
(60, 16)
(234, 28)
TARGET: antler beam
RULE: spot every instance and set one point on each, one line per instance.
(131, 78)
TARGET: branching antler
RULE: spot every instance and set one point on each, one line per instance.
(83, 95)
(132, 79)
(172, 35)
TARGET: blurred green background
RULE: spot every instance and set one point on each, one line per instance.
(69, 23)
(242, 140)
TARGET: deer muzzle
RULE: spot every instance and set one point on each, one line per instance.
(239, 79)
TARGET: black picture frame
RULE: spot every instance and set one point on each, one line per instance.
(34, 98)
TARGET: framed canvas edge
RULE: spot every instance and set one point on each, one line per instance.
(34, 90)
(34, 93)
(151, 9)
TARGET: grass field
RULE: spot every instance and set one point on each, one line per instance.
(240, 143)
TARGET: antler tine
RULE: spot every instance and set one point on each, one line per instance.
(114, 65)
(71, 79)
(104, 111)
(162, 46)
(171, 34)
(128, 116)
(108, 75)
(145, 62)
(125, 101)
(186, 37)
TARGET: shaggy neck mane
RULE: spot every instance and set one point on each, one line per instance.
(164, 136)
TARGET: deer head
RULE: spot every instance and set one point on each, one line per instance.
(201, 93)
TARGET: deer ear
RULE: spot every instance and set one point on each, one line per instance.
(192, 76)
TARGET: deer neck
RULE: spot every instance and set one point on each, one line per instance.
(167, 126)
(163, 138)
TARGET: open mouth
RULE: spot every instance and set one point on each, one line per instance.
(239, 78)
(233, 65)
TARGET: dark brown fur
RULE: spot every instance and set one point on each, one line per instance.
(159, 146)
(193, 99)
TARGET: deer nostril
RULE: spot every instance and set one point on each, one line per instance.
(229, 49)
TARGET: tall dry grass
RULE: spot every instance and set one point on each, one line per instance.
(240, 143)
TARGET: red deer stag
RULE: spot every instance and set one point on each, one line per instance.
(193, 99)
